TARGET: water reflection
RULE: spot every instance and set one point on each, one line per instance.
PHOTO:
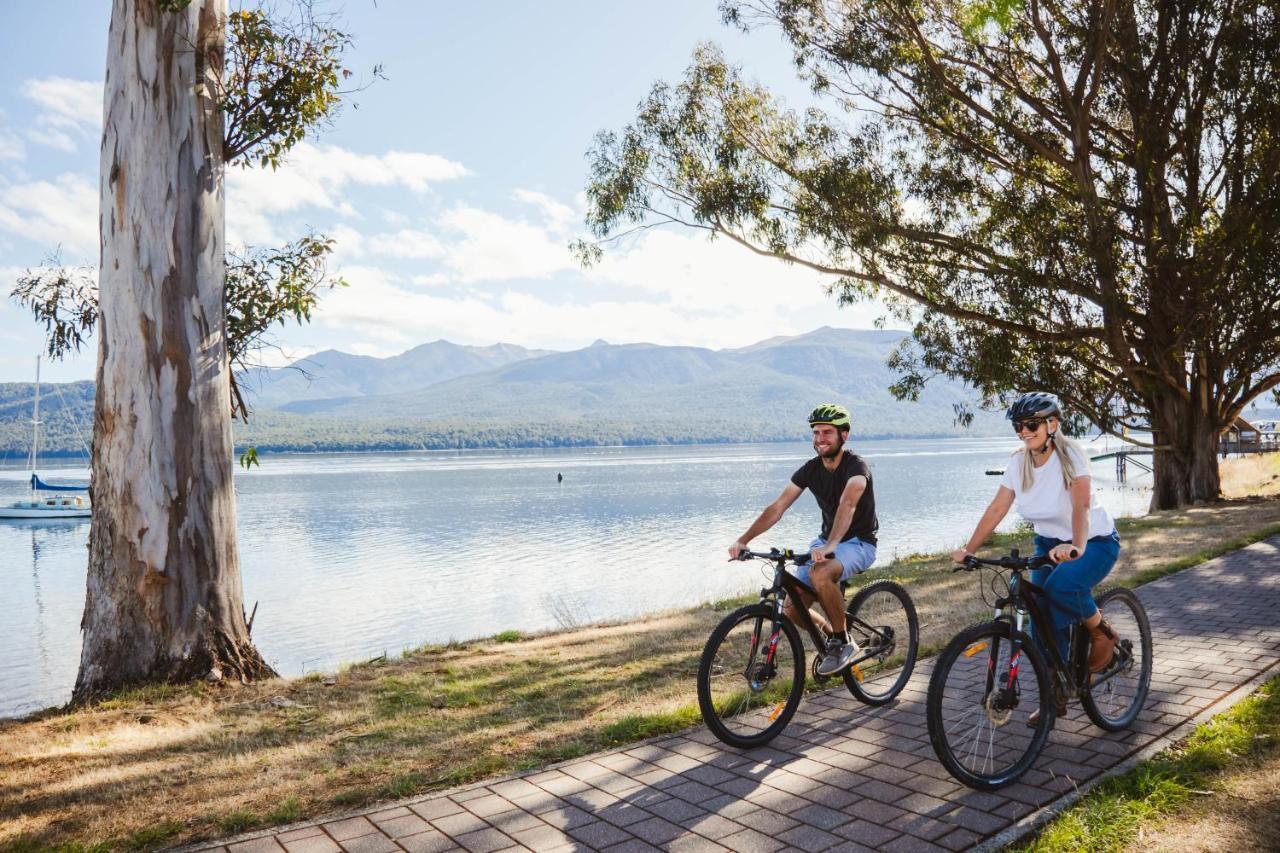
(347, 556)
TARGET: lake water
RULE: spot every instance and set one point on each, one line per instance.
(351, 555)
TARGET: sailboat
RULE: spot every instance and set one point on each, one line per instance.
(65, 501)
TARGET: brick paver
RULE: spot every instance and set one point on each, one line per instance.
(843, 776)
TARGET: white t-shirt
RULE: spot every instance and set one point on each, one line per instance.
(1047, 504)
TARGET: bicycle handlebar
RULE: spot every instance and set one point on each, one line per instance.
(784, 555)
(1011, 561)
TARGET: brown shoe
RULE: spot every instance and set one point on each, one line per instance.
(1059, 706)
(1102, 646)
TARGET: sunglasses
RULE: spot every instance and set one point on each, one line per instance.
(1030, 424)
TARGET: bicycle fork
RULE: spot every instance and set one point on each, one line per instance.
(1002, 692)
(758, 676)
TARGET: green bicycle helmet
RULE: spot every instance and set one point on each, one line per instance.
(830, 413)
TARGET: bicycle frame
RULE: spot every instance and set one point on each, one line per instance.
(787, 584)
(1074, 677)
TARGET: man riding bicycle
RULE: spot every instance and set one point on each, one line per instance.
(841, 483)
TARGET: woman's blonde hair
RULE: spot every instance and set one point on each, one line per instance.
(1065, 448)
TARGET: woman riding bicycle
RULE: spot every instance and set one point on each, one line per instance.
(1049, 480)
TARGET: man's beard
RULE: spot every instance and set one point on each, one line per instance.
(834, 452)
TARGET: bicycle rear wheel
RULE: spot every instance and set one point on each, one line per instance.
(882, 620)
(1115, 701)
(978, 706)
(751, 676)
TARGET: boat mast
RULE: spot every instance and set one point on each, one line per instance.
(35, 422)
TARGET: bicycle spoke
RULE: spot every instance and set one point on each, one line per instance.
(977, 713)
(1117, 695)
(882, 621)
(748, 677)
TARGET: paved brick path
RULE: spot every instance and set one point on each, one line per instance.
(843, 776)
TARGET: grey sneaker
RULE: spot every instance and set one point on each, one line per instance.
(840, 650)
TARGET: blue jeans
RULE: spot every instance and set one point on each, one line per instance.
(1070, 585)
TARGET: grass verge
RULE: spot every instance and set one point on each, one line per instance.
(160, 766)
(1113, 814)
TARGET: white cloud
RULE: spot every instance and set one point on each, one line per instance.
(315, 175)
(692, 273)
(489, 247)
(348, 243)
(11, 147)
(59, 212)
(407, 243)
(513, 280)
(560, 218)
(373, 350)
(70, 110)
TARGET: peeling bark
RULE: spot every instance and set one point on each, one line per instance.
(164, 600)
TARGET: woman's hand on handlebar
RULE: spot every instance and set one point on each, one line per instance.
(959, 555)
(736, 549)
(1064, 553)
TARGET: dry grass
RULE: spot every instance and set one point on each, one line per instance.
(162, 766)
(1242, 814)
(1257, 475)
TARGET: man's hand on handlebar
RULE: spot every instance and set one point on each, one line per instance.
(736, 550)
(959, 555)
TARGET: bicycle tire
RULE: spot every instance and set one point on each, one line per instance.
(867, 682)
(1099, 707)
(729, 717)
(951, 733)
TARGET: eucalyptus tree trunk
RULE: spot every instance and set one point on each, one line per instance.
(164, 600)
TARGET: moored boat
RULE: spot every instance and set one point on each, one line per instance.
(64, 502)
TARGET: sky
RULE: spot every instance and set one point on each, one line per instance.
(452, 187)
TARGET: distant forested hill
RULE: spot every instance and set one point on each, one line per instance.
(442, 395)
(66, 415)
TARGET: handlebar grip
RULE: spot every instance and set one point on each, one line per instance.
(1074, 552)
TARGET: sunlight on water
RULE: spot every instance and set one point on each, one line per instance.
(351, 555)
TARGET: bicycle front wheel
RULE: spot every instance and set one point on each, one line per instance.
(980, 698)
(1116, 695)
(882, 620)
(751, 676)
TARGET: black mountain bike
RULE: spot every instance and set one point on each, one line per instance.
(752, 672)
(981, 696)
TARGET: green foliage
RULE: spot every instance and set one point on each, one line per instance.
(281, 82)
(1054, 195)
(64, 299)
(272, 286)
(511, 636)
(249, 458)
(268, 287)
(980, 14)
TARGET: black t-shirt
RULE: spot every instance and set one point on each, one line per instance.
(828, 486)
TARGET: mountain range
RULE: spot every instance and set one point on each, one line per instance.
(442, 394)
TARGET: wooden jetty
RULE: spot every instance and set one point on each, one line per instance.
(1123, 459)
